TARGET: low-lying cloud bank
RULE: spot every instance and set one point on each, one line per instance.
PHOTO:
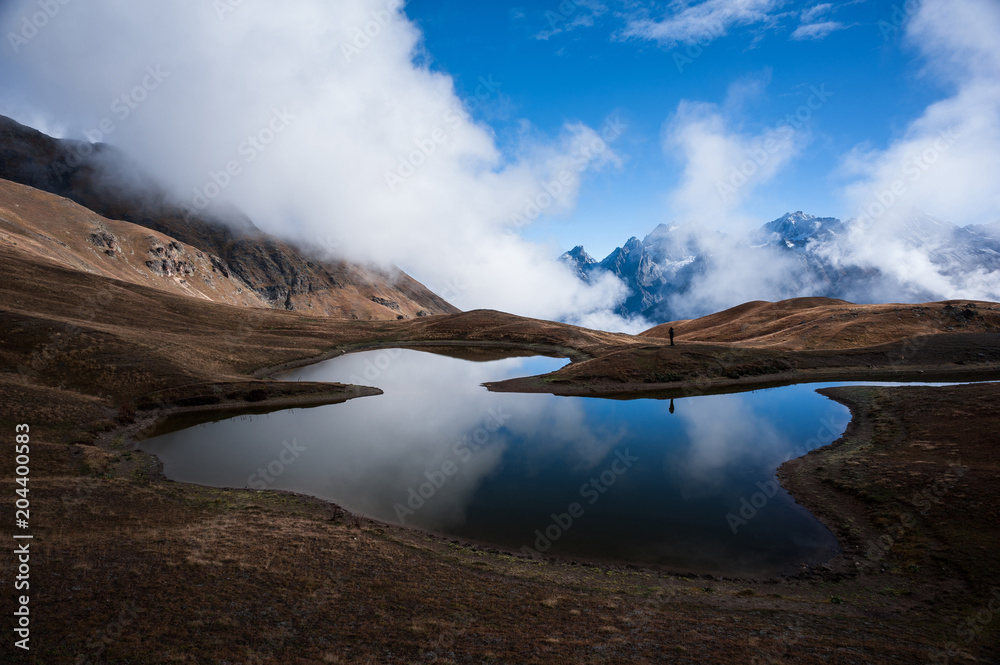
(943, 164)
(316, 120)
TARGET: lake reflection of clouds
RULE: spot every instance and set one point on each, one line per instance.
(439, 451)
(723, 430)
(433, 416)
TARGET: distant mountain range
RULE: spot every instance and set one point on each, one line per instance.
(800, 255)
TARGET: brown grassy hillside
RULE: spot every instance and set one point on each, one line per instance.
(281, 275)
(826, 323)
(92, 348)
(267, 577)
(51, 228)
(56, 229)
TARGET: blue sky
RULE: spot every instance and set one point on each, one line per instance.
(377, 164)
(590, 68)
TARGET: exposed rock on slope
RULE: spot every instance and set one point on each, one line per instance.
(59, 231)
(279, 274)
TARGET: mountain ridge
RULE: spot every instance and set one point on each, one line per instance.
(812, 323)
(667, 265)
(283, 276)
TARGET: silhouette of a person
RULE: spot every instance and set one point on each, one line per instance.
(671, 405)
(671, 337)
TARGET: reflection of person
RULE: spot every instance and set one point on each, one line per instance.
(671, 405)
(671, 337)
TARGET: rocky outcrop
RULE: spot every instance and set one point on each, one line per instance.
(385, 302)
(105, 241)
(168, 260)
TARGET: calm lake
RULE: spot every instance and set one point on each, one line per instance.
(688, 484)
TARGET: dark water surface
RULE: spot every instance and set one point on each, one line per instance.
(687, 484)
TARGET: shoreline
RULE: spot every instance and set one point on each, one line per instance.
(830, 569)
(177, 418)
(840, 579)
(303, 566)
(549, 350)
(682, 389)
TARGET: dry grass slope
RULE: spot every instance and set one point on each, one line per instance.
(825, 323)
(136, 569)
(275, 272)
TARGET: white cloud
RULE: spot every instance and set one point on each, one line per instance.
(942, 164)
(812, 13)
(723, 166)
(945, 160)
(375, 155)
(816, 30)
(568, 16)
(703, 22)
(606, 320)
(721, 430)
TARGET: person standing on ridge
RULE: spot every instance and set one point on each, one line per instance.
(671, 337)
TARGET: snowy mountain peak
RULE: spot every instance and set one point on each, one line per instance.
(818, 256)
(578, 255)
(797, 216)
(661, 230)
(795, 229)
(991, 230)
(579, 260)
